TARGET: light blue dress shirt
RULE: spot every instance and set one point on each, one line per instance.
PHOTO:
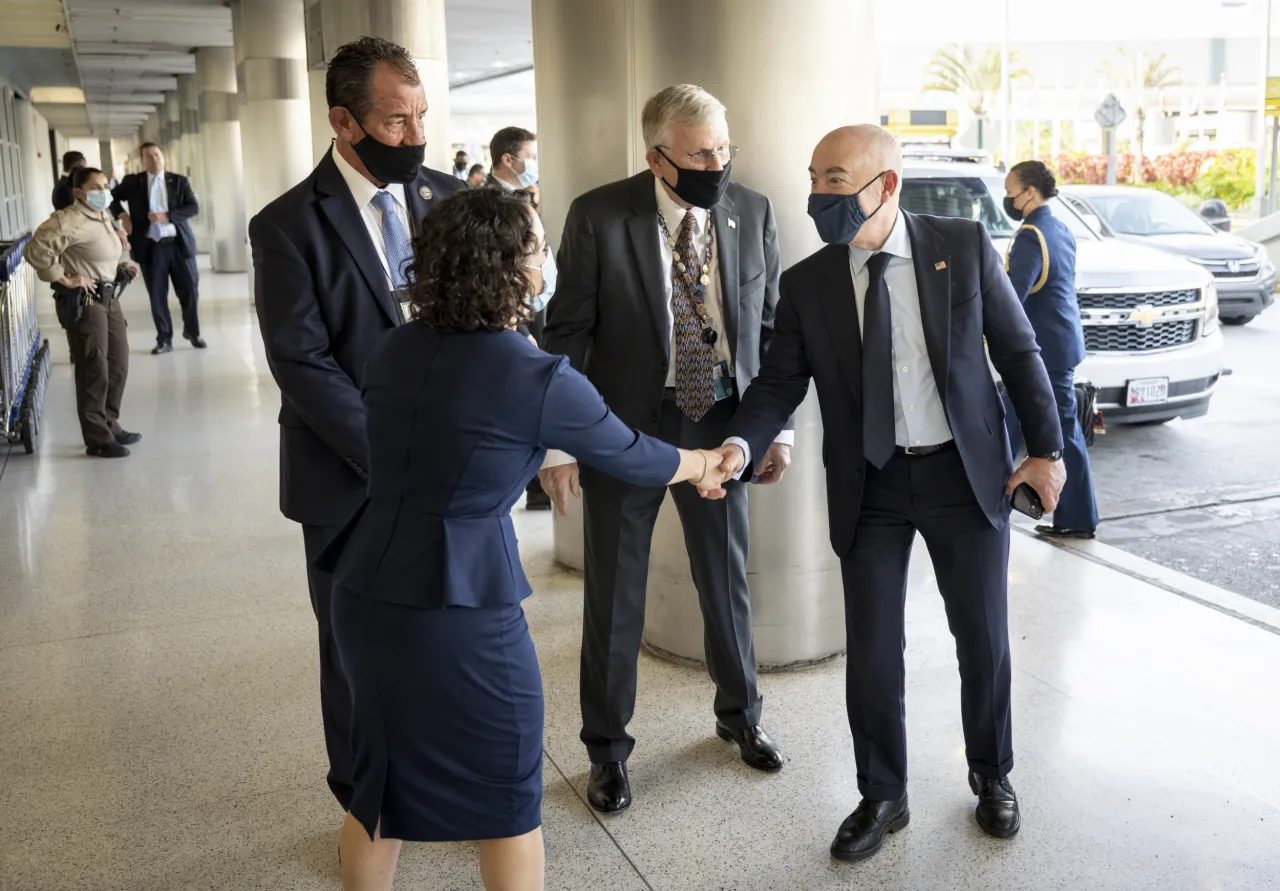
(159, 194)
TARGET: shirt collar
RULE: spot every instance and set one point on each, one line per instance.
(673, 213)
(96, 217)
(1039, 213)
(898, 244)
(361, 189)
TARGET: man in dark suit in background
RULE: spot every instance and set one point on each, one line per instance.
(329, 257)
(668, 282)
(64, 194)
(161, 205)
(889, 321)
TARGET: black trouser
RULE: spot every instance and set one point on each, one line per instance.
(335, 694)
(100, 351)
(971, 561)
(164, 261)
(619, 520)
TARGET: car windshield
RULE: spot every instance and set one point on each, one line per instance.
(966, 197)
(1142, 212)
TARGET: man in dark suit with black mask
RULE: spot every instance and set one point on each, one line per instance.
(889, 320)
(161, 205)
(329, 257)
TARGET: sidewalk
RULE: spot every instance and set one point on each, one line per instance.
(158, 682)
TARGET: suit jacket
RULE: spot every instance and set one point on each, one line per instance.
(63, 194)
(964, 297)
(609, 315)
(457, 425)
(323, 302)
(1042, 267)
(133, 191)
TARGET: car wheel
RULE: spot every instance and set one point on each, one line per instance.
(1238, 320)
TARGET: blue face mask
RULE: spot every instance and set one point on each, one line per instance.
(549, 275)
(530, 175)
(839, 217)
(97, 199)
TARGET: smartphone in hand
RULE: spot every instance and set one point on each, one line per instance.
(1026, 500)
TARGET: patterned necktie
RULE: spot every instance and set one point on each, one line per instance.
(394, 240)
(695, 384)
(878, 433)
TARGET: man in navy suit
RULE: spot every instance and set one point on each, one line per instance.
(889, 321)
(161, 205)
(329, 257)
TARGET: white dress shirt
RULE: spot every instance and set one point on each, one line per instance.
(673, 215)
(918, 416)
(364, 191)
(158, 200)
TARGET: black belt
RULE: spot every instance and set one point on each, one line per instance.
(106, 291)
(166, 240)
(924, 451)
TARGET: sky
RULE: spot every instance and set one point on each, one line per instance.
(981, 21)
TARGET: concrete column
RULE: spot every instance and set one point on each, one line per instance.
(223, 200)
(171, 134)
(193, 153)
(105, 157)
(418, 26)
(271, 78)
(596, 62)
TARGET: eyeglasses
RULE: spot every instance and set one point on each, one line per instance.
(724, 154)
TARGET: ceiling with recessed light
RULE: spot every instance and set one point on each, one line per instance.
(125, 54)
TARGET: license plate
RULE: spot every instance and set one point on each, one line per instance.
(1149, 391)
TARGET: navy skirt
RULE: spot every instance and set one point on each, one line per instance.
(447, 719)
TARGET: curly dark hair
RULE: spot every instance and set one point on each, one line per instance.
(469, 259)
(1038, 174)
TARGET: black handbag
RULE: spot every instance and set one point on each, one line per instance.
(1088, 415)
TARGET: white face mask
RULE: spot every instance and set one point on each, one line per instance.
(97, 199)
(530, 175)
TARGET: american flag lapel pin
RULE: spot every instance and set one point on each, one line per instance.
(940, 265)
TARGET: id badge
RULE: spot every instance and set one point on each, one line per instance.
(723, 382)
(404, 306)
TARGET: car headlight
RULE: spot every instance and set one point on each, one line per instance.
(1211, 322)
(1262, 257)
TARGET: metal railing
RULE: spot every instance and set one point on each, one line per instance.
(24, 354)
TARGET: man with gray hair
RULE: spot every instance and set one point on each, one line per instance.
(668, 282)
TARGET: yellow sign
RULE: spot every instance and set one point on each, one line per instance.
(1273, 94)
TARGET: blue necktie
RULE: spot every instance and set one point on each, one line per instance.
(394, 240)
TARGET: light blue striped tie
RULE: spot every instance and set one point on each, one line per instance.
(394, 239)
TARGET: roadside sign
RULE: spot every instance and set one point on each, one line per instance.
(1110, 114)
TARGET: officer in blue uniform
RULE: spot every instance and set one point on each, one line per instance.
(1042, 267)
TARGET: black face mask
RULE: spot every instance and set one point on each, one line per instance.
(1012, 209)
(701, 188)
(389, 163)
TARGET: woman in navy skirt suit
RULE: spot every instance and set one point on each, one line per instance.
(447, 697)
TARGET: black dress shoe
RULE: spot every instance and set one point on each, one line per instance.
(997, 812)
(196, 341)
(609, 790)
(1059, 532)
(862, 833)
(537, 501)
(125, 438)
(162, 348)
(107, 450)
(757, 749)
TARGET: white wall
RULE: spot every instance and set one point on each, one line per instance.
(37, 165)
(88, 147)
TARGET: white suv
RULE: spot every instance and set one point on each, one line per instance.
(1151, 329)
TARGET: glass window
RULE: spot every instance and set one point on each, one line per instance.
(961, 196)
(1145, 212)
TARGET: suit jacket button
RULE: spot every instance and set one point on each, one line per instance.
(857, 474)
(654, 416)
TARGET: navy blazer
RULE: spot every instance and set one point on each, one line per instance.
(964, 297)
(1042, 267)
(323, 303)
(457, 425)
(132, 190)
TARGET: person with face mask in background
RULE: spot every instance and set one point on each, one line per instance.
(476, 176)
(515, 172)
(666, 302)
(889, 320)
(77, 250)
(63, 191)
(1042, 267)
(460, 164)
(158, 220)
(330, 260)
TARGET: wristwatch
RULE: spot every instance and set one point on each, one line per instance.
(1051, 456)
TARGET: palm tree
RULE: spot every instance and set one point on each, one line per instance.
(974, 77)
(1139, 74)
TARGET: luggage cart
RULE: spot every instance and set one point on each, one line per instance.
(24, 354)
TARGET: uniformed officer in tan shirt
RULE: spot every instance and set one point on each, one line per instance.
(77, 249)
